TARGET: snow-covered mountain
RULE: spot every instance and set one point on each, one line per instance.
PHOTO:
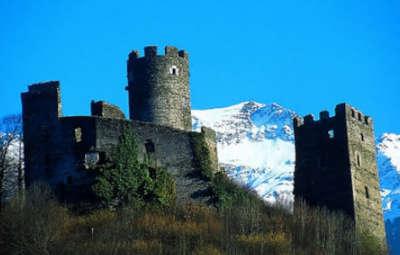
(256, 147)
(388, 156)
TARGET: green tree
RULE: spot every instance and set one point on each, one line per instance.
(118, 181)
(163, 190)
(125, 180)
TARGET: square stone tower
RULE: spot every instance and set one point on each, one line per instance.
(336, 166)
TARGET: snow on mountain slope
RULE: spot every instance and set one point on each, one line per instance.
(388, 157)
(389, 165)
(255, 145)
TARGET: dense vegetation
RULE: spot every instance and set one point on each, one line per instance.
(35, 223)
(139, 216)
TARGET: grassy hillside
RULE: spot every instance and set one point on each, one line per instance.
(37, 224)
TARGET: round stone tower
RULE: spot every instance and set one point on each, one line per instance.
(158, 87)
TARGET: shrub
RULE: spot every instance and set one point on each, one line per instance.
(125, 181)
(32, 224)
(202, 158)
(227, 194)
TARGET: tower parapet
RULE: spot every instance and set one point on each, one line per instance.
(158, 87)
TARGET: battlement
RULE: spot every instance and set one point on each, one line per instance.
(342, 110)
(151, 51)
(50, 86)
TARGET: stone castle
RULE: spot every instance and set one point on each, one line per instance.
(335, 156)
(61, 150)
(336, 166)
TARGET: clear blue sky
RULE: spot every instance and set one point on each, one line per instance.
(304, 56)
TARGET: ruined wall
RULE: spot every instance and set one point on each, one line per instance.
(164, 147)
(158, 87)
(106, 110)
(210, 138)
(60, 150)
(336, 166)
(204, 147)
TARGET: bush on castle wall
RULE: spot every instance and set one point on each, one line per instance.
(124, 180)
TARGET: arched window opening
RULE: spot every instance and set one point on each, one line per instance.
(362, 137)
(174, 70)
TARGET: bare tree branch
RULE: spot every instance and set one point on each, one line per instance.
(11, 154)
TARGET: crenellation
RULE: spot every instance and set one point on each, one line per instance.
(298, 121)
(308, 119)
(368, 121)
(324, 115)
(150, 51)
(134, 54)
(171, 51)
(183, 54)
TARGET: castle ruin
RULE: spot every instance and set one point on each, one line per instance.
(61, 150)
(335, 156)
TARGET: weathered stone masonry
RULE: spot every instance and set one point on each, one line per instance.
(336, 166)
(61, 150)
(158, 87)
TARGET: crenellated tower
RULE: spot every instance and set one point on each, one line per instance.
(158, 87)
(336, 166)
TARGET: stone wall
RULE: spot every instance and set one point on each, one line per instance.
(171, 149)
(322, 177)
(61, 150)
(106, 110)
(158, 88)
(365, 180)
